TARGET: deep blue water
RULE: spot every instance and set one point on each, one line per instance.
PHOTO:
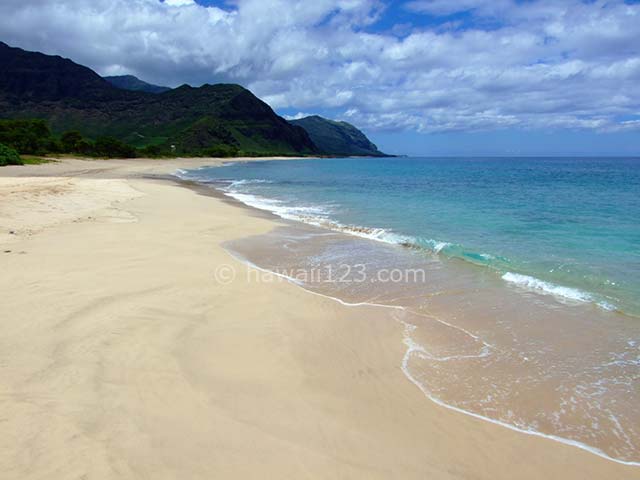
(563, 226)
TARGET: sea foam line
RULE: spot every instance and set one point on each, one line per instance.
(313, 216)
(546, 288)
(412, 348)
(319, 217)
(535, 284)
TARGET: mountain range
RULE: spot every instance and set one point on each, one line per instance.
(184, 120)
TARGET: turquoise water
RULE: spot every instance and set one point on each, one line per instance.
(567, 227)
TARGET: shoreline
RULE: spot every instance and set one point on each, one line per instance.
(512, 276)
(311, 389)
(411, 346)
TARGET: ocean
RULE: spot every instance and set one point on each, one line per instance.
(527, 310)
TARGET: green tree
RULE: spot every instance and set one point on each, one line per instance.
(26, 136)
(152, 151)
(8, 156)
(72, 141)
(220, 150)
(112, 148)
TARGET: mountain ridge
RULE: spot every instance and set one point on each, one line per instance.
(133, 83)
(185, 120)
(338, 137)
(35, 76)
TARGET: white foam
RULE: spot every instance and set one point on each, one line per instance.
(319, 216)
(191, 174)
(387, 236)
(307, 214)
(415, 349)
(238, 183)
(437, 246)
(537, 285)
(378, 234)
(558, 291)
(607, 306)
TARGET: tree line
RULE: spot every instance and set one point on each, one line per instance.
(33, 137)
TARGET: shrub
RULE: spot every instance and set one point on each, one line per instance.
(72, 142)
(26, 136)
(8, 156)
(152, 151)
(220, 151)
(112, 148)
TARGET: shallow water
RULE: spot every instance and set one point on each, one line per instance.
(566, 226)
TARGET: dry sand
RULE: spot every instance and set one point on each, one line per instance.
(122, 356)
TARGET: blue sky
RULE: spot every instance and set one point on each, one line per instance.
(430, 77)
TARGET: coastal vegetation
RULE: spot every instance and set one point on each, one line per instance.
(33, 137)
(27, 136)
(8, 156)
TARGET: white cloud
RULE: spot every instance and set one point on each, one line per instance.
(179, 3)
(298, 116)
(537, 64)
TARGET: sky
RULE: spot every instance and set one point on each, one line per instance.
(419, 77)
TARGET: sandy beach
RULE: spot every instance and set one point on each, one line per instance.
(125, 354)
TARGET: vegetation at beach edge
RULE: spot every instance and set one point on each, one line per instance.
(34, 138)
(9, 156)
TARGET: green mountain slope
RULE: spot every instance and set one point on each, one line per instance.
(129, 82)
(337, 138)
(72, 97)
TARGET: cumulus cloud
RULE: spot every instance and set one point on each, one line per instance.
(298, 116)
(179, 3)
(537, 64)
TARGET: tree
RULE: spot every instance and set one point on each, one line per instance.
(72, 142)
(220, 150)
(112, 148)
(152, 151)
(26, 136)
(8, 156)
